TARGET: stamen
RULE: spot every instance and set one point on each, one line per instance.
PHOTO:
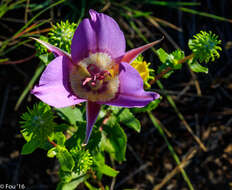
(96, 79)
(87, 79)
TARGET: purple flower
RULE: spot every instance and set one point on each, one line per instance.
(97, 71)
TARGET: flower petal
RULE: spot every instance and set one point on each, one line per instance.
(57, 51)
(53, 87)
(92, 111)
(132, 54)
(98, 34)
(131, 93)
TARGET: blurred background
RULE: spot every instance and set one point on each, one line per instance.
(204, 100)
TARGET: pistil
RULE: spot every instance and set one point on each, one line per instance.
(96, 75)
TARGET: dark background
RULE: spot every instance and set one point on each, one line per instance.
(209, 115)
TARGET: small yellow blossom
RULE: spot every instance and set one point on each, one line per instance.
(143, 68)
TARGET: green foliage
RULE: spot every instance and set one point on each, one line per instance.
(38, 126)
(169, 61)
(70, 114)
(83, 160)
(126, 117)
(73, 183)
(114, 140)
(205, 46)
(65, 158)
(196, 67)
(101, 168)
(61, 35)
(150, 107)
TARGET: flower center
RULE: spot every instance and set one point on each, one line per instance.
(94, 78)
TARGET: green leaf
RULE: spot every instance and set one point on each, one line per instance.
(107, 170)
(29, 147)
(73, 184)
(196, 67)
(163, 55)
(151, 106)
(114, 141)
(65, 158)
(65, 176)
(102, 168)
(70, 114)
(128, 119)
(79, 136)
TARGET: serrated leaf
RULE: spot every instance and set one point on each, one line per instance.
(196, 67)
(128, 119)
(65, 158)
(70, 114)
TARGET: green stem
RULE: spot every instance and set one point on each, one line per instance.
(171, 149)
(30, 85)
(181, 117)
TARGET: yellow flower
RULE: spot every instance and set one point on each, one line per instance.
(143, 68)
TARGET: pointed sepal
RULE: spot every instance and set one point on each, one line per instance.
(92, 111)
(132, 54)
(57, 51)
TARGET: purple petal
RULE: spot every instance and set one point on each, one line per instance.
(131, 93)
(132, 54)
(98, 34)
(53, 87)
(57, 51)
(92, 111)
